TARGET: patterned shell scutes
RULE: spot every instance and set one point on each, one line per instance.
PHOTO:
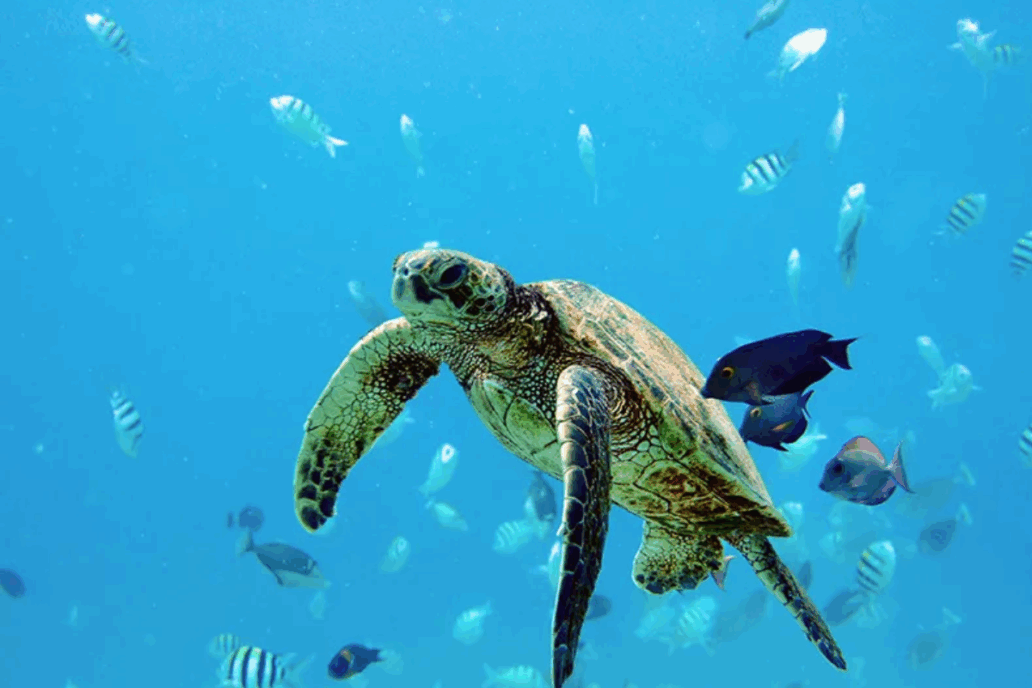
(662, 373)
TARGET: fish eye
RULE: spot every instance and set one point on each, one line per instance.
(838, 468)
(755, 412)
(452, 276)
(727, 372)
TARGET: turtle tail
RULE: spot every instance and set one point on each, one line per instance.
(777, 577)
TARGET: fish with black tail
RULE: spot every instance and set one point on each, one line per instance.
(784, 364)
(781, 422)
(858, 473)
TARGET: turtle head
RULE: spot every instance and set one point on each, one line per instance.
(442, 287)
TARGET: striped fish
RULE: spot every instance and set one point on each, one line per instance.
(1025, 446)
(252, 667)
(512, 535)
(223, 645)
(876, 567)
(1006, 55)
(112, 35)
(128, 425)
(297, 117)
(766, 172)
(1021, 255)
(967, 212)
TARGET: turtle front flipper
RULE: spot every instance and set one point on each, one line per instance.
(382, 372)
(582, 427)
(676, 561)
(758, 551)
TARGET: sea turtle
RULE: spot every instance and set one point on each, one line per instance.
(584, 388)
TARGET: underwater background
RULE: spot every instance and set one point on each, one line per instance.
(161, 234)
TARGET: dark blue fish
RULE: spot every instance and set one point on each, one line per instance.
(250, 517)
(12, 583)
(843, 606)
(858, 473)
(784, 364)
(598, 606)
(805, 575)
(781, 422)
(937, 537)
(351, 660)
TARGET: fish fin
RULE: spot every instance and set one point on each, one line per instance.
(780, 447)
(792, 154)
(246, 543)
(720, 575)
(896, 469)
(331, 144)
(836, 352)
(803, 402)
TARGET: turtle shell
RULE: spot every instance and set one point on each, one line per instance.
(689, 469)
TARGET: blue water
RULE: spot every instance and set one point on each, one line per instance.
(162, 234)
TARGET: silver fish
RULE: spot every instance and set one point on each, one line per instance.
(859, 473)
(766, 16)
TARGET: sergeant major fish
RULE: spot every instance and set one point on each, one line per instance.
(112, 36)
(469, 625)
(252, 667)
(765, 172)
(966, 213)
(1021, 255)
(127, 422)
(297, 117)
(858, 473)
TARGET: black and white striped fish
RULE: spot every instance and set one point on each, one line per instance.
(112, 35)
(223, 645)
(967, 212)
(1021, 255)
(252, 667)
(128, 425)
(298, 117)
(1025, 446)
(766, 172)
(1006, 55)
(876, 567)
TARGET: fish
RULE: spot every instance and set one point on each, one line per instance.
(598, 606)
(876, 568)
(365, 304)
(250, 517)
(933, 495)
(127, 422)
(805, 575)
(1025, 446)
(798, 50)
(447, 516)
(929, 351)
(928, 646)
(797, 454)
(394, 430)
(540, 505)
(442, 468)
(513, 677)
(12, 583)
(352, 660)
(967, 213)
(858, 473)
(586, 149)
(253, 667)
(1021, 255)
(974, 44)
(766, 171)
(317, 605)
(291, 567)
(111, 35)
(469, 625)
(511, 536)
(852, 216)
(731, 622)
(1006, 55)
(223, 645)
(793, 270)
(781, 422)
(694, 626)
(410, 137)
(397, 554)
(849, 257)
(298, 117)
(766, 16)
(936, 537)
(783, 364)
(833, 139)
(843, 606)
(956, 384)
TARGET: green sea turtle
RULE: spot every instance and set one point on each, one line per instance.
(584, 388)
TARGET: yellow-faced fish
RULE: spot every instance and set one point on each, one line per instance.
(410, 137)
(1021, 255)
(766, 16)
(252, 667)
(792, 273)
(397, 554)
(765, 172)
(929, 351)
(1025, 446)
(838, 124)
(442, 468)
(297, 117)
(469, 625)
(223, 644)
(127, 422)
(112, 36)
(966, 213)
(798, 50)
(586, 148)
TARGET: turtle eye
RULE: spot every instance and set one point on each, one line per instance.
(452, 276)
(755, 412)
(727, 372)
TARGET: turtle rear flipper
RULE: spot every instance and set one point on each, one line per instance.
(675, 561)
(777, 577)
(582, 427)
(370, 388)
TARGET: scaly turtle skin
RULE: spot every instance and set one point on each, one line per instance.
(584, 388)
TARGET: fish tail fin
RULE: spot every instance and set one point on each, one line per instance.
(720, 575)
(836, 352)
(292, 677)
(331, 144)
(792, 154)
(245, 544)
(897, 470)
(804, 400)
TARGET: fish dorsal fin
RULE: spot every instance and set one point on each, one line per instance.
(861, 443)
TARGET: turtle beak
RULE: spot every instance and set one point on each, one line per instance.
(411, 292)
